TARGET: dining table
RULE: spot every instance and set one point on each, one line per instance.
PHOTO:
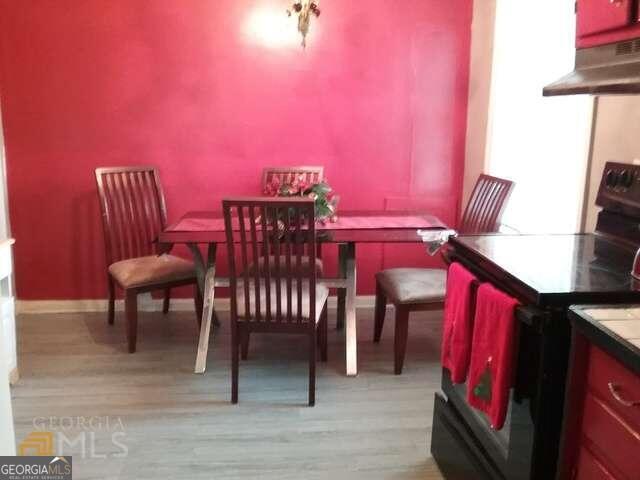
(347, 230)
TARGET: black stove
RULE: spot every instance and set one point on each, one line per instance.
(556, 270)
(547, 274)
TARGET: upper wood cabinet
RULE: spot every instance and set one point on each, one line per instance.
(597, 16)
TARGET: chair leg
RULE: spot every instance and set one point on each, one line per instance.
(244, 343)
(112, 300)
(235, 361)
(166, 301)
(312, 368)
(324, 335)
(131, 313)
(400, 344)
(380, 311)
(197, 300)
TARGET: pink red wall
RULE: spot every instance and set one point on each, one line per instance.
(211, 93)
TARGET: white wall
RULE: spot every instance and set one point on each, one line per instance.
(616, 138)
(540, 143)
(7, 435)
(7, 345)
(4, 211)
(479, 92)
(7, 301)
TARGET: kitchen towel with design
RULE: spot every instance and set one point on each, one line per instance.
(492, 365)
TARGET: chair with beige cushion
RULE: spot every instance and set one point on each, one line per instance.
(423, 289)
(283, 298)
(133, 213)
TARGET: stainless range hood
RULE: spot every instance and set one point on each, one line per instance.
(606, 69)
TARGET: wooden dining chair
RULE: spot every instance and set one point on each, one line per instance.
(282, 297)
(423, 289)
(313, 174)
(289, 174)
(133, 214)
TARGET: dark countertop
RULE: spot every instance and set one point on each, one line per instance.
(557, 269)
(615, 329)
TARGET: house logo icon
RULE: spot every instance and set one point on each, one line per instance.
(37, 443)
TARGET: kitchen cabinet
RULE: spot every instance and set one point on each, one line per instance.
(599, 22)
(595, 16)
(601, 432)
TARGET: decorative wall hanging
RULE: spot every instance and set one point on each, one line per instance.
(304, 9)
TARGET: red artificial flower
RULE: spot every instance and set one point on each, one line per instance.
(272, 189)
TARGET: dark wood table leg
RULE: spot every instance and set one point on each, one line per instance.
(342, 292)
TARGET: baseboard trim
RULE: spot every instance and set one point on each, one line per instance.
(14, 376)
(145, 304)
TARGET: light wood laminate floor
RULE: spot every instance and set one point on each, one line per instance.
(178, 425)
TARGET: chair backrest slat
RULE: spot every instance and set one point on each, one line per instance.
(266, 248)
(271, 233)
(486, 205)
(244, 267)
(289, 174)
(288, 253)
(276, 268)
(299, 270)
(254, 252)
(133, 210)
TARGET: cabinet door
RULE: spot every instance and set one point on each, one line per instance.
(596, 16)
(589, 468)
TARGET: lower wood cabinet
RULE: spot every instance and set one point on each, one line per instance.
(602, 417)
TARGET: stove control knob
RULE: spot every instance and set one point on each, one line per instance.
(625, 179)
(611, 179)
(630, 179)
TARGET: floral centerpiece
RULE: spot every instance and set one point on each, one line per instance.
(326, 202)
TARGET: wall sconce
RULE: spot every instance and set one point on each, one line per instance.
(305, 9)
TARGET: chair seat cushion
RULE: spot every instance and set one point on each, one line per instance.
(322, 293)
(304, 263)
(413, 285)
(150, 270)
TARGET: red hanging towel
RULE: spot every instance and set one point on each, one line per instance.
(458, 322)
(492, 354)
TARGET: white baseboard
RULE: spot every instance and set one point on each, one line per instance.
(14, 376)
(145, 304)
